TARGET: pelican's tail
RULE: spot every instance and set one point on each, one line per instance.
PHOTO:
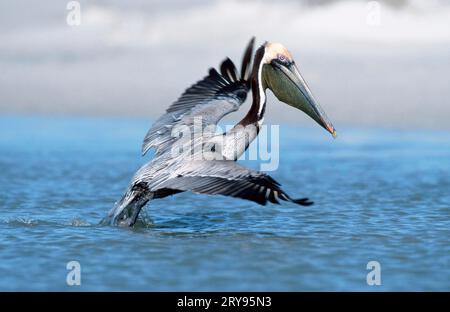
(127, 209)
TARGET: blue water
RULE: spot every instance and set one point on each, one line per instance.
(380, 195)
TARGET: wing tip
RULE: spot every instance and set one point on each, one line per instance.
(303, 201)
(247, 59)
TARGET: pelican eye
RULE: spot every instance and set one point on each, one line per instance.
(282, 59)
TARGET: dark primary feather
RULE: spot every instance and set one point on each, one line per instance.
(227, 178)
(228, 70)
(246, 61)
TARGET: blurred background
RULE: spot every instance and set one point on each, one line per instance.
(77, 100)
(382, 63)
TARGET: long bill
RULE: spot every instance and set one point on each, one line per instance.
(305, 101)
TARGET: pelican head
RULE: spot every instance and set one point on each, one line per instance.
(281, 76)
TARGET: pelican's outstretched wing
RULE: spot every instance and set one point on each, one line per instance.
(211, 98)
(226, 177)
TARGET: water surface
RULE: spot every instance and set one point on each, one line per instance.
(380, 195)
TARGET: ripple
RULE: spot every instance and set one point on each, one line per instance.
(374, 204)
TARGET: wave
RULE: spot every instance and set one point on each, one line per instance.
(143, 222)
(30, 222)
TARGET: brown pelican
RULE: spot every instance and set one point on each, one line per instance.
(203, 105)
